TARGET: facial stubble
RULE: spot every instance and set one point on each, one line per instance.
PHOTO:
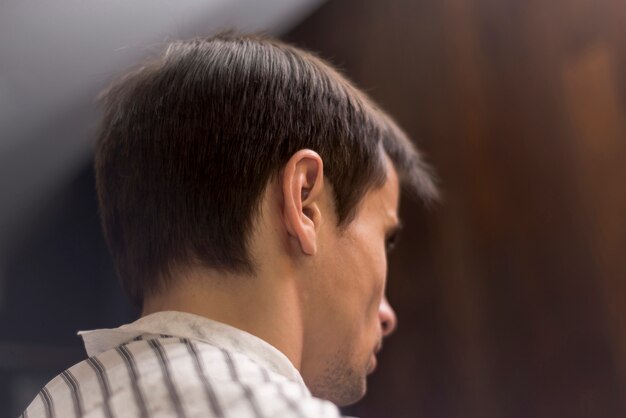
(341, 382)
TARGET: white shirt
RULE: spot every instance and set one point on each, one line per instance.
(175, 364)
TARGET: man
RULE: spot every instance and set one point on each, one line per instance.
(248, 194)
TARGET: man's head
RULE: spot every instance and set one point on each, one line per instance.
(238, 154)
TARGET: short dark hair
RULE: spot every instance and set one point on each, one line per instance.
(190, 140)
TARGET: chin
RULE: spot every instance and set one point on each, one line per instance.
(351, 396)
(358, 395)
(342, 386)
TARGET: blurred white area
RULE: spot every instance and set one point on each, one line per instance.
(56, 55)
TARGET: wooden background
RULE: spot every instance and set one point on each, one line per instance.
(511, 295)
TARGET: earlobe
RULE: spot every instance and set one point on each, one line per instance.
(302, 185)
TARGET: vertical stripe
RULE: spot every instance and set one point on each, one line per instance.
(164, 363)
(73, 379)
(103, 380)
(265, 374)
(209, 391)
(253, 403)
(291, 404)
(129, 361)
(69, 379)
(47, 400)
(231, 365)
(246, 389)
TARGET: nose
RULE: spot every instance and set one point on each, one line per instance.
(387, 317)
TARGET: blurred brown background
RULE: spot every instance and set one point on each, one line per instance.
(511, 295)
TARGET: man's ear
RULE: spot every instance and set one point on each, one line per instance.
(303, 184)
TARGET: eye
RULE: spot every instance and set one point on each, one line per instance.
(391, 241)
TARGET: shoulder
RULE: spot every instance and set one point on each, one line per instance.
(231, 384)
(176, 377)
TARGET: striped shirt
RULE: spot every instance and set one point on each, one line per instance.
(174, 364)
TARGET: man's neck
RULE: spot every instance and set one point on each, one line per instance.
(265, 307)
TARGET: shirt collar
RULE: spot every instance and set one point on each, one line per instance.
(186, 325)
